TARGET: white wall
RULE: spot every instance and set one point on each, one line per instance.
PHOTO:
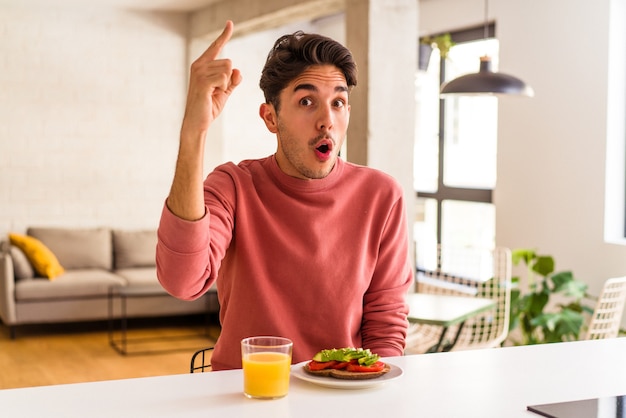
(552, 149)
(90, 105)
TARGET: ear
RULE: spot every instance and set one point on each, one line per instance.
(268, 114)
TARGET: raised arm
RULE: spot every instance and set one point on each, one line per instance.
(211, 82)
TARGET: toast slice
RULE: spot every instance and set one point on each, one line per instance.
(346, 375)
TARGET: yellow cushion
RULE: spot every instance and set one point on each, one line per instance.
(40, 256)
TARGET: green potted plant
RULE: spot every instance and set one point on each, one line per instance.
(442, 42)
(538, 320)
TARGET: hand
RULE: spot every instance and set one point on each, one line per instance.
(211, 81)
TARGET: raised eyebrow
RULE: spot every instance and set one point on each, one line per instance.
(311, 87)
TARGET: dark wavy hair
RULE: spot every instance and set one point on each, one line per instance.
(292, 54)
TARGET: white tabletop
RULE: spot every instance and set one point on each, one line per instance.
(445, 310)
(498, 382)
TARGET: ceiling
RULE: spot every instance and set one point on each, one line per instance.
(164, 5)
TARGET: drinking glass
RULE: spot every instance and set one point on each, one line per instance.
(266, 365)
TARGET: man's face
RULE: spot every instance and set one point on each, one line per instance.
(312, 122)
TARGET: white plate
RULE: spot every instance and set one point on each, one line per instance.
(297, 371)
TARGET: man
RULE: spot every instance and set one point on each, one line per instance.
(302, 244)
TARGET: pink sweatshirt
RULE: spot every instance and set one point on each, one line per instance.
(324, 262)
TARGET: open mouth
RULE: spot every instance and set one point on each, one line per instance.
(324, 148)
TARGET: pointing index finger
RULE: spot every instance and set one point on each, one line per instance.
(216, 47)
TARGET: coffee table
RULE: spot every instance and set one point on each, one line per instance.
(118, 336)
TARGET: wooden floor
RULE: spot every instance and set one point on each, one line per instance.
(71, 353)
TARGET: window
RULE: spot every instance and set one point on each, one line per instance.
(455, 150)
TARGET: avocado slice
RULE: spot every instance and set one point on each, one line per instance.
(364, 356)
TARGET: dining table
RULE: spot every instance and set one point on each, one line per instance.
(485, 383)
(445, 311)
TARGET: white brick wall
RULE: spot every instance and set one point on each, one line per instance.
(90, 110)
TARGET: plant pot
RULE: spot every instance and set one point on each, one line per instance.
(425, 51)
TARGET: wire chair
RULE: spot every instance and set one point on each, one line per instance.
(466, 272)
(607, 315)
(201, 361)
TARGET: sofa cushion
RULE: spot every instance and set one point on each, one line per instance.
(72, 284)
(39, 255)
(134, 248)
(22, 269)
(78, 248)
(139, 276)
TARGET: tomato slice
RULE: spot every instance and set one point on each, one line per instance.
(321, 365)
(340, 365)
(376, 367)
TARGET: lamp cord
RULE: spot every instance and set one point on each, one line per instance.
(485, 28)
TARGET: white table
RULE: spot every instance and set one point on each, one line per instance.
(445, 311)
(488, 383)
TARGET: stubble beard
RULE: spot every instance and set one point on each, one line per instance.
(296, 155)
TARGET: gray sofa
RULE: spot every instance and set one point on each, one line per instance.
(95, 260)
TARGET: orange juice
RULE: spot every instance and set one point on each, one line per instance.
(266, 374)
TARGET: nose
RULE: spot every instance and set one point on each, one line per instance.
(325, 118)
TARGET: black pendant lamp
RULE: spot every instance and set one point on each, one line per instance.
(486, 81)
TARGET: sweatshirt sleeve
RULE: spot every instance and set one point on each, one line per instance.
(385, 309)
(189, 253)
(182, 256)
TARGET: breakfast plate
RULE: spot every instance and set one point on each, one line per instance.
(297, 371)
